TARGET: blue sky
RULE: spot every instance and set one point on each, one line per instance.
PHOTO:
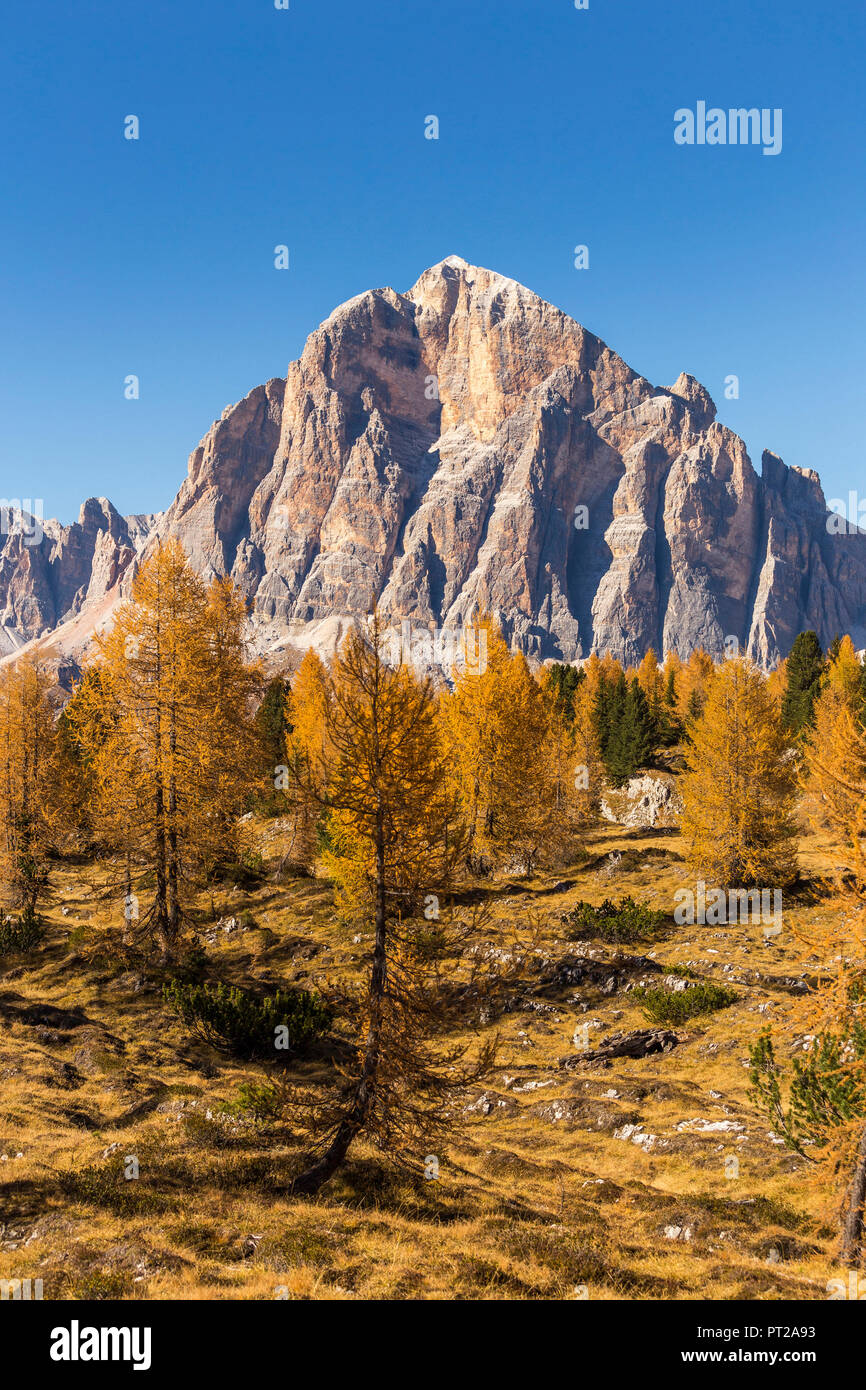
(306, 127)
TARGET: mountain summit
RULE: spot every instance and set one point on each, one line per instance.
(467, 446)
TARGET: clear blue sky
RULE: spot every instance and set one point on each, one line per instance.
(306, 127)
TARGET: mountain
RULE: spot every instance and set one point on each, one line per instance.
(467, 446)
(50, 573)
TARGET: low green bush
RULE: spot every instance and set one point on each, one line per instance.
(238, 1022)
(24, 934)
(676, 1006)
(616, 923)
(258, 1102)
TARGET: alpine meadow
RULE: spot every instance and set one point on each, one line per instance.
(433, 818)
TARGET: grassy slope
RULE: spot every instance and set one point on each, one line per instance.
(538, 1196)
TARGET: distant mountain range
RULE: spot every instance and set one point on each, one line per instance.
(462, 447)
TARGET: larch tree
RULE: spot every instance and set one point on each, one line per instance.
(819, 1104)
(166, 730)
(652, 682)
(846, 672)
(834, 752)
(693, 681)
(495, 729)
(27, 745)
(393, 837)
(573, 759)
(739, 786)
(592, 673)
(74, 777)
(776, 683)
(303, 777)
(228, 755)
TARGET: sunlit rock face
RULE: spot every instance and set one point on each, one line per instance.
(467, 447)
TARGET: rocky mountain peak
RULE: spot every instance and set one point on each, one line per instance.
(467, 446)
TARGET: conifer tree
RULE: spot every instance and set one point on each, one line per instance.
(739, 786)
(574, 760)
(393, 833)
(271, 721)
(163, 723)
(834, 753)
(303, 779)
(693, 681)
(804, 671)
(632, 737)
(823, 1115)
(27, 743)
(652, 682)
(609, 708)
(564, 681)
(273, 731)
(495, 729)
(641, 726)
(671, 730)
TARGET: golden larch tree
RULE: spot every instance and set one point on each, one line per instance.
(304, 778)
(393, 838)
(574, 762)
(739, 786)
(495, 729)
(819, 1105)
(27, 749)
(166, 729)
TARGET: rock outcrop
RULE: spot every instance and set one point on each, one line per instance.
(651, 800)
(467, 446)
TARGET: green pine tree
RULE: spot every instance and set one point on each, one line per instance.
(632, 739)
(608, 710)
(670, 729)
(565, 680)
(804, 673)
(693, 707)
(273, 730)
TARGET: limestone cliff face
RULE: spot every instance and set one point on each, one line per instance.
(466, 446)
(51, 573)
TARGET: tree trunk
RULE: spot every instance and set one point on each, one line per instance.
(353, 1121)
(128, 932)
(852, 1251)
(160, 906)
(173, 886)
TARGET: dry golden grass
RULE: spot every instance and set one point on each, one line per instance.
(537, 1199)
